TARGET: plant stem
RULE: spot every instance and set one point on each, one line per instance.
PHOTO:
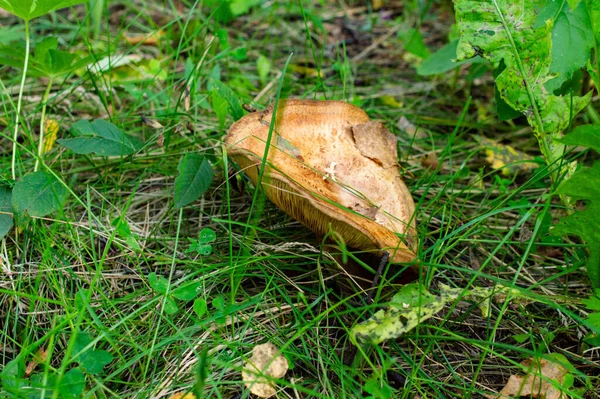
(42, 120)
(19, 101)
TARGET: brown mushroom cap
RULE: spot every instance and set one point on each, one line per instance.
(329, 165)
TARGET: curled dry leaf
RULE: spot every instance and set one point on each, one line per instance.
(265, 364)
(329, 165)
(537, 383)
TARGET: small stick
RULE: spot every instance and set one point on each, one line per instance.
(384, 260)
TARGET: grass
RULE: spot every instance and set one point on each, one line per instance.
(268, 278)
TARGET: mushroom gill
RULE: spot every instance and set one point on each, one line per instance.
(330, 168)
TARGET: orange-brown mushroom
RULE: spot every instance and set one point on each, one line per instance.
(330, 167)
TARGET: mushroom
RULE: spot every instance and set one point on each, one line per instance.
(331, 168)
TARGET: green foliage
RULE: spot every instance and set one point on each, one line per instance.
(90, 360)
(263, 67)
(584, 135)
(506, 31)
(195, 177)
(100, 137)
(38, 194)
(412, 40)
(584, 185)
(6, 217)
(185, 292)
(593, 303)
(30, 9)
(124, 231)
(235, 108)
(202, 244)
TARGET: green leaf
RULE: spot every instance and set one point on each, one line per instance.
(29, 9)
(263, 66)
(220, 107)
(411, 306)
(442, 61)
(503, 30)
(170, 306)
(11, 33)
(72, 384)
(200, 307)
(195, 177)
(11, 376)
(584, 135)
(572, 41)
(235, 107)
(6, 216)
(100, 137)
(38, 194)
(187, 292)
(124, 231)
(412, 40)
(505, 111)
(240, 7)
(158, 283)
(593, 302)
(584, 184)
(90, 360)
(202, 244)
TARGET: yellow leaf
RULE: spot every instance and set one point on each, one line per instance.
(183, 395)
(51, 129)
(505, 157)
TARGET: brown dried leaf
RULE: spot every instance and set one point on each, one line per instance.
(183, 395)
(505, 157)
(329, 166)
(536, 383)
(39, 357)
(145, 39)
(266, 363)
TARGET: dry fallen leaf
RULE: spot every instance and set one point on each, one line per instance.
(505, 157)
(148, 39)
(265, 365)
(51, 129)
(536, 383)
(183, 395)
(331, 168)
(39, 357)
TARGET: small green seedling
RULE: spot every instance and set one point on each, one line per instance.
(202, 244)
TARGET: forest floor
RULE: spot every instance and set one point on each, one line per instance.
(111, 285)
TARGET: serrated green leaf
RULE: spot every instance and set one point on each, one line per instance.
(195, 177)
(235, 107)
(72, 384)
(593, 302)
(158, 283)
(29, 9)
(124, 231)
(100, 137)
(584, 135)
(6, 216)
(503, 30)
(38, 194)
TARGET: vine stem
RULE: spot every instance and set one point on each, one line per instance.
(42, 120)
(19, 101)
